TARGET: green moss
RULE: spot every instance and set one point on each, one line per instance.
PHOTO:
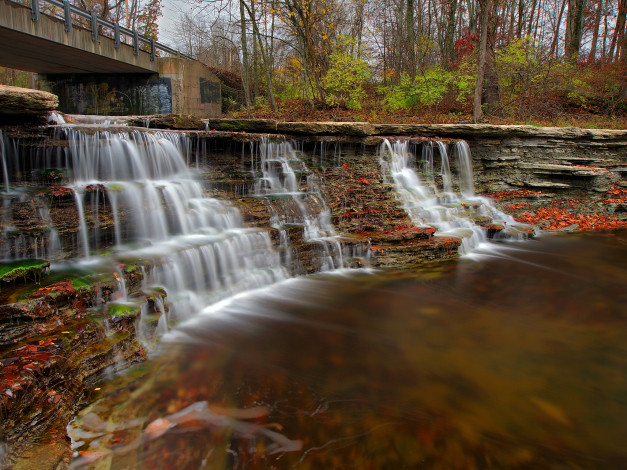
(39, 231)
(79, 282)
(54, 174)
(33, 268)
(116, 187)
(236, 126)
(12, 233)
(123, 310)
(276, 197)
(130, 268)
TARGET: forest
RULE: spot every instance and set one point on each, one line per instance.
(543, 62)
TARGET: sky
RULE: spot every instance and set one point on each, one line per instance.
(172, 9)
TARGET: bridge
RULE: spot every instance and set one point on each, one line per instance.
(96, 66)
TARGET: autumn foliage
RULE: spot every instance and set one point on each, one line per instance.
(576, 214)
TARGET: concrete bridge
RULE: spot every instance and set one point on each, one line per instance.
(99, 67)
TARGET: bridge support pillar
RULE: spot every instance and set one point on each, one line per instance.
(182, 86)
(195, 90)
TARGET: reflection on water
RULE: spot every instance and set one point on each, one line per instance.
(511, 359)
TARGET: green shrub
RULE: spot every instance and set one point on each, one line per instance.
(344, 82)
(426, 89)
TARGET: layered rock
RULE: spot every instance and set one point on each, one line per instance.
(23, 104)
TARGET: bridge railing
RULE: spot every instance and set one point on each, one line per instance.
(99, 26)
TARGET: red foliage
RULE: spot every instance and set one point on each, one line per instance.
(19, 370)
(512, 194)
(59, 191)
(466, 44)
(62, 287)
(95, 187)
(514, 207)
(555, 218)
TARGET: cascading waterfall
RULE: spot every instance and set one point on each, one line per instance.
(196, 247)
(26, 229)
(5, 172)
(279, 176)
(440, 207)
(137, 205)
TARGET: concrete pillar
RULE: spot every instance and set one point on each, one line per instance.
(195, 90)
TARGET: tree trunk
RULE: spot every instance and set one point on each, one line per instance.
(472, 17)
(411, 38)
(595, 32)
(485, 6)
(574, 28)
(619, 32)
(264, 58)
(245, 79)
(532, 15)
(521, 18)
(399, 40)
(255, 55)
(622, 42)
(556, 33)
(449, 40)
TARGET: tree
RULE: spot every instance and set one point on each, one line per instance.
(346, 76)
(485, 7)
(574, 28)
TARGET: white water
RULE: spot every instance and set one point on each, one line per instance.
(137, 202)
(294, 199)
(450, 212)
(42, 239)
(5, 172)
(193, 246)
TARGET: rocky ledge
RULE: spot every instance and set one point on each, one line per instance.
(456, 131)
(21, 105)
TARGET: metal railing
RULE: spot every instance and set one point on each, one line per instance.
(100, 26)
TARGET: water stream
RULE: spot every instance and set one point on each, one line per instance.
(286, 184)
(435, 204)
(514, 358)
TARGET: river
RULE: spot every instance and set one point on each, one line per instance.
(511, 357)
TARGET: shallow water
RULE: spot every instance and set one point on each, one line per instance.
(514, 358)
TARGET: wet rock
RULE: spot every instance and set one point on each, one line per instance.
(243, 125)
(168, 121)
(404, 256)
(545, 185)
(465, 131)
(33, 269)
(326, 128)
(493, 229)
(49, 367)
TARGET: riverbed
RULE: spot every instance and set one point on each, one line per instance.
(511, 357)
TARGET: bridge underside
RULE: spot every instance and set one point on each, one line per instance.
(45, 47)
(25, 52)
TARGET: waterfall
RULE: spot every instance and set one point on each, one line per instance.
(429, 204)
(26, 228)
(194, 246)
(127, 199)
(283, 180)
(5, 171)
